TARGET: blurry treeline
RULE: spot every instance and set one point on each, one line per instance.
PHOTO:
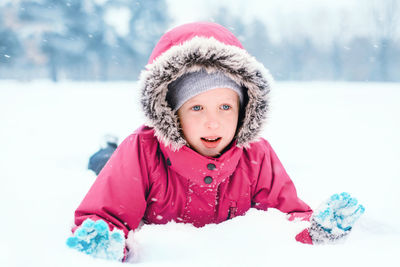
(78, 39)
(81, 40)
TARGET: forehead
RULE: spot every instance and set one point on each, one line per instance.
(218, 94)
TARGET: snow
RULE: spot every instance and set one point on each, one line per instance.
(331, 137)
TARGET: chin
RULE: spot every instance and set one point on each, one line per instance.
(214, 153)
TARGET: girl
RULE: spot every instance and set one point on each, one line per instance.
(199, 159)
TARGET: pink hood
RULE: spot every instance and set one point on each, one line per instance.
(210, 46)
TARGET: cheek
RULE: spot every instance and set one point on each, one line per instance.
(231, 122)
(188, 126)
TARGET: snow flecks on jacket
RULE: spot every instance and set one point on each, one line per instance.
(236, 187)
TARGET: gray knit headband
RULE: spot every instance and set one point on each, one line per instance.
(193, 83)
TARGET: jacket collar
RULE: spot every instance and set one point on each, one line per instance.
(196, 167)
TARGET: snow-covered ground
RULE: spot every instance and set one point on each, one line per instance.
(331, 137)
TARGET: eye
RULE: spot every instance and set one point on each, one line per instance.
(196, 108)
(226, 107)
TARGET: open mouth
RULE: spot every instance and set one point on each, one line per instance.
(211, 139)
(210, 142)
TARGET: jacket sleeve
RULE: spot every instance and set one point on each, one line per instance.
(275, 189)
(118, 196)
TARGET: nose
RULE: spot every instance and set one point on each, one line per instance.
(212, 122)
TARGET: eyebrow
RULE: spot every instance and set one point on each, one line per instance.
(231, 100)
(232, 103)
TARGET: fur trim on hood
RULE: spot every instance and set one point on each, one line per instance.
(189, 48)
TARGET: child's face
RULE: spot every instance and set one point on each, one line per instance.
(209, 120)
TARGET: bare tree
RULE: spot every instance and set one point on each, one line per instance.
(385, 15)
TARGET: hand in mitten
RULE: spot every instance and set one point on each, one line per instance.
(95, 239)
(333, 220)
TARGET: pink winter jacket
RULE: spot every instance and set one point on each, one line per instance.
(147, 181)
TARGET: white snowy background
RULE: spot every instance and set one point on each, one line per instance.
(331, 137)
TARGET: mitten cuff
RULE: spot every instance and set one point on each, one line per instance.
(319, 235)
